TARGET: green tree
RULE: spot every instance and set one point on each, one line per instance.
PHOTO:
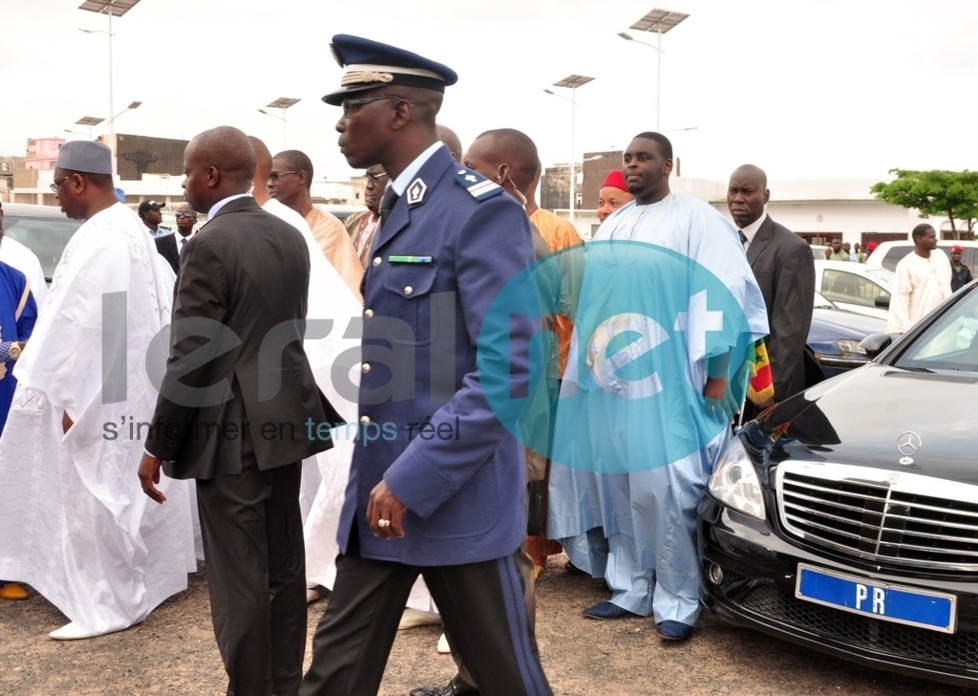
(934, 193)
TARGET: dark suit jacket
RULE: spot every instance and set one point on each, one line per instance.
(785, 271)
(167, 247)
(463, 477)
(249, 390)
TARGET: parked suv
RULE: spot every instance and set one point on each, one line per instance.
(888, 254)
(43, 229)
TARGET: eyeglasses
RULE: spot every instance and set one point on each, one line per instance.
(57, 184)
(274, 176)
(375, 177)
(186, 215)
(349, 105)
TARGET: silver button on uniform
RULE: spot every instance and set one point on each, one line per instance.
(408, 289)
(377, 261)
(365, 368)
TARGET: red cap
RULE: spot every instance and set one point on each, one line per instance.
(957, 249)
(871, 247)
(615, 179)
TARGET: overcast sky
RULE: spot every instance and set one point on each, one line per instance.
(802, 88)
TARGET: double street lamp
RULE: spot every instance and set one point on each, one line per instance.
(571, 82)
(95, 120)
(282, 103)
(86, 121)
(659, 22)
(110, 8)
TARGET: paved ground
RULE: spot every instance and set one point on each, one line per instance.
(173, 652)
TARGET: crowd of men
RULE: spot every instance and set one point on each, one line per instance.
(412, 409)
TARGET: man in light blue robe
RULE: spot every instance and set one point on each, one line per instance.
(668, 309)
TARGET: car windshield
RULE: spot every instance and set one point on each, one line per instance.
(949, 343)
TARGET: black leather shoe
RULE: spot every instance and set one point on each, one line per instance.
(450, 689)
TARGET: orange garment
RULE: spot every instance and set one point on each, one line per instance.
(559, 234)
(333, 239)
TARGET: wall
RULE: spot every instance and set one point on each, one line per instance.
(554, 191)
(139, 154)
(596, 166)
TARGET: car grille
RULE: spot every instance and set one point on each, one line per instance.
(960, 650)
(898, 518)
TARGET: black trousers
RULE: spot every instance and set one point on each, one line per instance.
(256, 576)
(482, 606)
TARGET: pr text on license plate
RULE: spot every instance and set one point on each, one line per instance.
(906, 605)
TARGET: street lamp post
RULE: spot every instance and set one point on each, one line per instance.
(282, 103)
(660, 22)
(110, 8)
(572, 82)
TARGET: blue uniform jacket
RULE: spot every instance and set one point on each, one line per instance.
(450, 244)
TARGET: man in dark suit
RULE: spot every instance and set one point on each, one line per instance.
(233, 413)
(171, 246)
(785, 271)
(437, 483)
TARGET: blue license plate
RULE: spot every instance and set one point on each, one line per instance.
(906, 605)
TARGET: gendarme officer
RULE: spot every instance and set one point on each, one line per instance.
(437, 483)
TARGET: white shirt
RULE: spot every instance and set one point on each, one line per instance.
(216, 208)
(751, 229)
(921, 285)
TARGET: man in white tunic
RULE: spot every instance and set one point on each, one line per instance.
(667, 312)
(923, 281)
(74, 523)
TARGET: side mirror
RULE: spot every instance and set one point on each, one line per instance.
(882, 301)
(874, 344)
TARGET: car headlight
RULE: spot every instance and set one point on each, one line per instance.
(847, 345)
(734, 482)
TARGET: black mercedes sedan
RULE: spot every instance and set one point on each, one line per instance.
(845, 519)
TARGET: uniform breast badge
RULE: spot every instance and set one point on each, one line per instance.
(416, 191)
